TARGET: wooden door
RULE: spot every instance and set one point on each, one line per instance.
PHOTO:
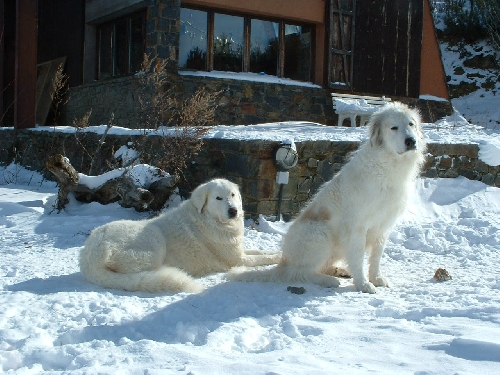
(387, 47)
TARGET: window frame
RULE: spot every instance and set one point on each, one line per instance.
(341, 33)
(247, 20)
(113, 24)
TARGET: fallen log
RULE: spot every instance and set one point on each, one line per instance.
(113, 186)
(162, 190)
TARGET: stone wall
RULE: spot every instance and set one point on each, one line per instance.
(118, 96)
(453, 160)
(240, 102)
(248, 163)
(162, 30)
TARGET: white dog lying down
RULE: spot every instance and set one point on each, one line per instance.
(201, 236)
(354, 212)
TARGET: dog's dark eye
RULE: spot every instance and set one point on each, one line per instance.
(411, 124)
(219, 198)
(233, 194)
(394, 128)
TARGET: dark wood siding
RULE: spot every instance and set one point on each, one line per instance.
(61, 25)
(340, 43)
(387, 47)
(8, 46)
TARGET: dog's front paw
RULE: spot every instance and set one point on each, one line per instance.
(324, 280)
(367, 287)
(379, 281)
(341, 272)
(332, 283)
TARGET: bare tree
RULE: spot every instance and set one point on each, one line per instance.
(471, 19)
(185, 121)
(490, 13)
(60, 89)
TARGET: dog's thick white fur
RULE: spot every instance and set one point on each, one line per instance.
(354, 212)
(203, 235)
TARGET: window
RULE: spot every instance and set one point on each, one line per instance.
(193, 40)
(264, 47)
(297, 52)
(212, 40)
(341, 41)
(121, 46)
(228, 43)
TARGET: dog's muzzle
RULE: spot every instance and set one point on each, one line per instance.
(410, 143)
(232, 212)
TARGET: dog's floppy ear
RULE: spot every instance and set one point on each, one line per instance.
(199, 197)
(417, 118)
(376, 139)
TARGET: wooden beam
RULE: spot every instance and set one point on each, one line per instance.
(210, 41)
(25, 64)
(2, 46)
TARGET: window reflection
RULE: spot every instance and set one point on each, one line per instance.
(264, 47)
(136, 43)
(105, 51)
(298, 52)
(121, 53)
(270, 47)
(193, 40)
(121, 46)
(228, 43)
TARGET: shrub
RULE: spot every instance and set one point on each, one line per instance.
(463, 20)
(180, 123)
(470, 19)
(490, 11)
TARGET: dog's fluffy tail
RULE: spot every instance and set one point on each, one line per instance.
(274, 274)
(280, 273)
(164, 279)
(283, 273)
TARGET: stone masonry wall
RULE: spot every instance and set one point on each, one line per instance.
(240, 102)
(248, 163)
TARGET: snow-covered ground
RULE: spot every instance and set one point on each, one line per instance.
(54, 321)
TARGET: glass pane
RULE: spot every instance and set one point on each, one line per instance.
(120, 48)
(298, 60)
(193, 40)
(136, 43)
(228, 43)
(264, 47)
(105, 52)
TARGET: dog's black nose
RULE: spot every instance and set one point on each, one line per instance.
(410, 143)
(232, 212)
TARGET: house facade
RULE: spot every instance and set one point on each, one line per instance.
(270, 60)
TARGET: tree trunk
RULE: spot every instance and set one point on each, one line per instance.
(123, 188)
